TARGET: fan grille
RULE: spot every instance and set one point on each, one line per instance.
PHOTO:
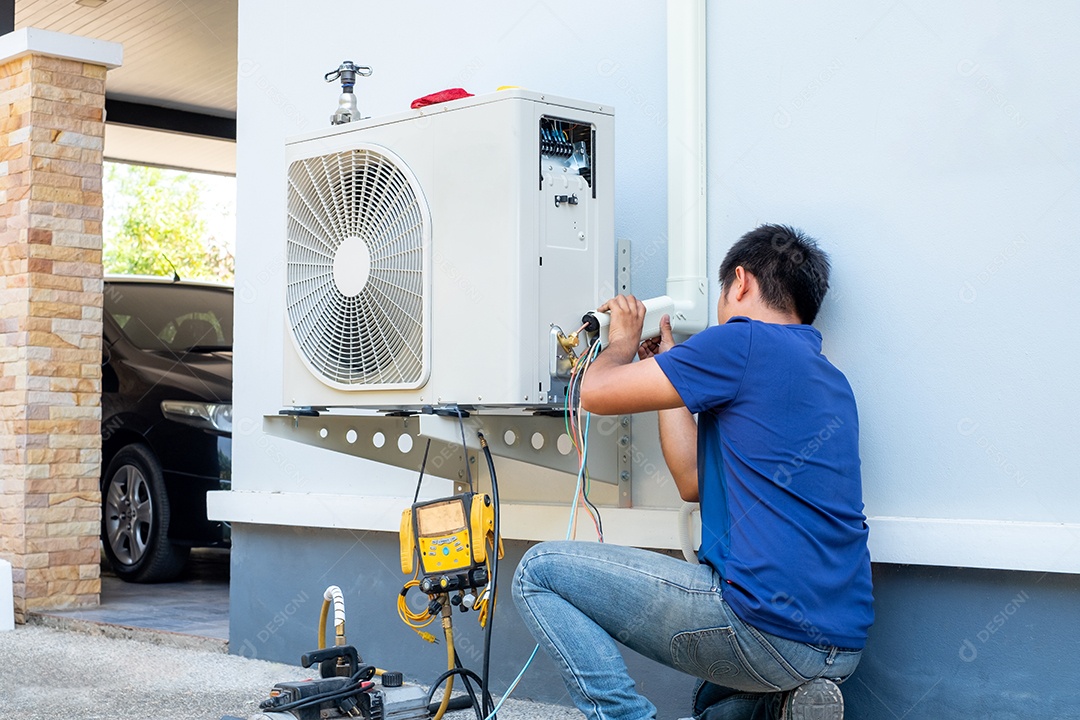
(357, 237)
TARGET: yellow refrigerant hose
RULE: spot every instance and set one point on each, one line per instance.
(449, 633)
(322, 623)
(418, 621)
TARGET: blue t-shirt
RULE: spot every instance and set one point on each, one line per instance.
(778, 476)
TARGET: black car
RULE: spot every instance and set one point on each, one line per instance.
(166, 421)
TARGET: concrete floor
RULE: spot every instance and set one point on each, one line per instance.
(197, 604)
(49, 674)
(154, 651)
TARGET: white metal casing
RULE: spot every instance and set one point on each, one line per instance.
(504, 262)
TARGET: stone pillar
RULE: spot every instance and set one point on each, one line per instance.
(52, 87)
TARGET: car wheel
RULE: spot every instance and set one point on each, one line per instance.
(135, 519)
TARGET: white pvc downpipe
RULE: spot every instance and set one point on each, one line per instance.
(687, 285)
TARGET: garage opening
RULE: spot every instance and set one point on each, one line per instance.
(168, 255)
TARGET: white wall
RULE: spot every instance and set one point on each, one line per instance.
(285, 48)
(931, 147)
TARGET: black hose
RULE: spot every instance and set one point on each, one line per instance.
(469, 689)
(464, 672)
(490, 708)
(423, 464)
(461, 702)
(464, 448)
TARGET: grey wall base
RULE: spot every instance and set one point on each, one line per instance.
(947, 642)
(279, 574)
(962, 643)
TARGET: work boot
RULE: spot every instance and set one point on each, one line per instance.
(819, 699)
(713, 702)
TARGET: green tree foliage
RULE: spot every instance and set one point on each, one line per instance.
(153, 217)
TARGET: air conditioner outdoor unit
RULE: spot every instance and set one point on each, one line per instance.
(429, 253)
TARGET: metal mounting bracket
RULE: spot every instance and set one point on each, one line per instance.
(400, 441)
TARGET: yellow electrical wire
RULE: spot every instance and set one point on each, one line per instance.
(417, 621)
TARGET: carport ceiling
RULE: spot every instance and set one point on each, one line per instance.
(178, 54)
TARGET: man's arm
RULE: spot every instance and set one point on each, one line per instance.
(678, 440)
(622, 386)
(614, 383)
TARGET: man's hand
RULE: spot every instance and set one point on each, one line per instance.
(655, 346)
(624, 331)
(614, 384)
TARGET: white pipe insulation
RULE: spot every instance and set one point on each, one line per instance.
(334, 595)
(687, 285)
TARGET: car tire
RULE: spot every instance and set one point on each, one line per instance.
(135, 519)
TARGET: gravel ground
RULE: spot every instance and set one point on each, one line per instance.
(53, 674)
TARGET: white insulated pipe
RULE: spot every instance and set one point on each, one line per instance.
(687, 283)
(655, 309)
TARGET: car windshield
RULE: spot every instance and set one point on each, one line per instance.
(156, 316)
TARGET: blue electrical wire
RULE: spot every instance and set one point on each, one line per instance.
(514, 684)
(569, 531)
(580, 476)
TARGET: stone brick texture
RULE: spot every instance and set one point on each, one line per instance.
(51, 142)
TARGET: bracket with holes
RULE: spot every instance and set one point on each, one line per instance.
(400, 441)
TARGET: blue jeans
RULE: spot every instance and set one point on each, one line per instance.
(578, 598)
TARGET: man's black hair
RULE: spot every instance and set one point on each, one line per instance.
(790, 268)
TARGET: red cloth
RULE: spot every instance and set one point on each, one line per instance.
(440, 97)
